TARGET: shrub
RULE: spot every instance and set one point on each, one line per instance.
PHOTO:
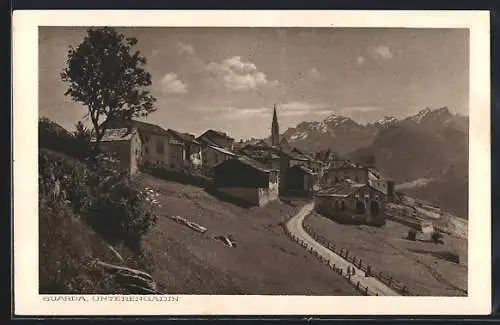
(111, 203)
(121, 214)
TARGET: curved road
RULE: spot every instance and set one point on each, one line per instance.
(295, 227)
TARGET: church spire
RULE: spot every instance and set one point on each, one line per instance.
(275, 130)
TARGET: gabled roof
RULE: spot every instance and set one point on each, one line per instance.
(206, 141)
(344, 189)
(143, 127)
(261, 152)
(248, 162)
(122, 134)
(211, 132)
(184, 137)
(254, 163)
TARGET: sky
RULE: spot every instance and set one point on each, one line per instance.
(229, 78)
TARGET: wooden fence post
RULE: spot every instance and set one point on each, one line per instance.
(340, 271)
(390, 281)
(366, 290)
(357, 285)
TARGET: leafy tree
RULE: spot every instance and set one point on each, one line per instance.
(105, 75)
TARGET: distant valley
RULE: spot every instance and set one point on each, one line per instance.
(427, 153)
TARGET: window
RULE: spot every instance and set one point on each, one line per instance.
(342, 206)
(172, 166)
(356, 178)
(146, 150)
(146, 138)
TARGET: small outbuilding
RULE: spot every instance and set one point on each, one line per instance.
(298, 180)
(247, 180)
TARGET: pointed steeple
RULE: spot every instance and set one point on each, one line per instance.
(275, 130)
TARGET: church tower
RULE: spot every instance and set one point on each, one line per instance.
(275, 130)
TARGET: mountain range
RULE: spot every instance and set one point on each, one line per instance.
(425, 153)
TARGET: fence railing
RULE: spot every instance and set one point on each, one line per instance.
(348, 256)
(337, 269)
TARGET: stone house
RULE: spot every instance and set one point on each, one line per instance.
(154, 138)
(350, 202)
(127, 144)
(247, 180)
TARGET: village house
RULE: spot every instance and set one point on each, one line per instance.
(349, 202)
(213, 154)
(247, 180)
(359, 174)
(155, 141)
(186, 151)
(218, 139)
(126, 143)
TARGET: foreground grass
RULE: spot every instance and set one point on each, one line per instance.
(263, 262)
(413, 263)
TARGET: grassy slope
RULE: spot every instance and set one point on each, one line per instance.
(388, 252)
(264, 260)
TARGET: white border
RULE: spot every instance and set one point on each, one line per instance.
(25, 70)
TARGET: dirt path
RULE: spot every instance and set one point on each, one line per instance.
(295, 227)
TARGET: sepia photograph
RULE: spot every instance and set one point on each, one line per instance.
(305, 161)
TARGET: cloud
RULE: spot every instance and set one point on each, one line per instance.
(298, 108)
(184, 48)
(234, 74)
(315, 75)
(360, 60)
(382, 52)
(170, 83)
(360, 109)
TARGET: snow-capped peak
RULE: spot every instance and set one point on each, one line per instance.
(386, 120)
(420, 115)
(427, 113)
(333, 120)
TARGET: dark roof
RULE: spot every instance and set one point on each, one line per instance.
(254, 163)
(220, 134)
(259, 152)
(344, 189)
(184, 137)
(143, 127)
(248, 162)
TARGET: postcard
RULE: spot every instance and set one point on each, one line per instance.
(251, 162)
